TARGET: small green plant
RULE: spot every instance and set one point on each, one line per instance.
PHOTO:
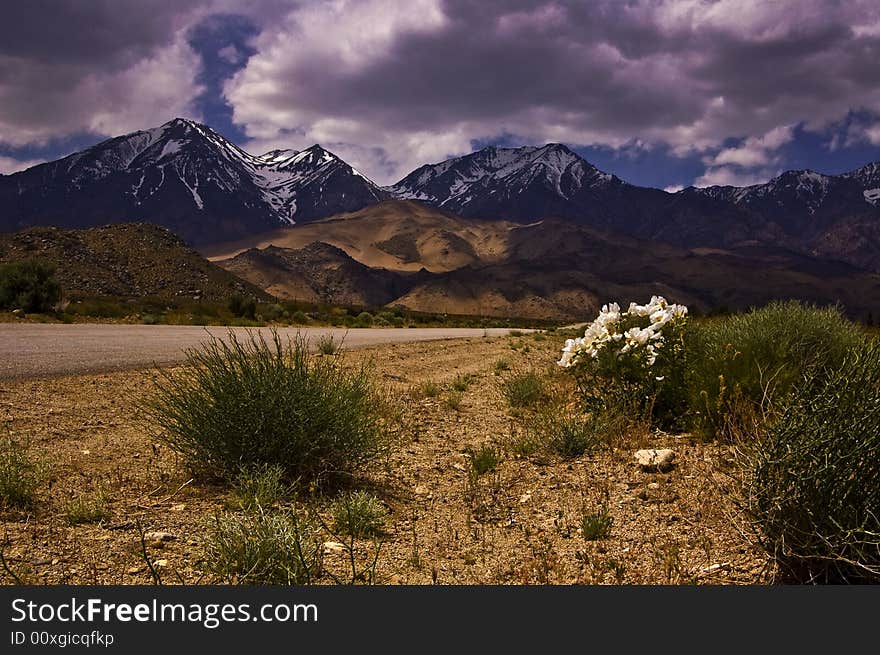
(327, 345)
(539, 336)
(515, 333)
(462, 382)
(20, 475)
(566, 433)
(259, 486)
(523, 390)
(431, 389)
(359, 514)
(501, 365)
(29, 285)
(484, 459)
(524, 443)
(299, 317)
(597, 525)
(149, 319)
(453, 400)
(240, 403)
(279, 548)
(87, 508)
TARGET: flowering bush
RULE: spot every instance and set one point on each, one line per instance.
(632, 357)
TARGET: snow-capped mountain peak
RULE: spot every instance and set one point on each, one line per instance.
(456, 183)
(186, 176)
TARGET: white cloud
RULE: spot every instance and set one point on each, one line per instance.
(731, 176)
(12, 165)
(675, 188)
(754, 151)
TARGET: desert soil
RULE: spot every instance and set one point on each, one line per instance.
(518, 525)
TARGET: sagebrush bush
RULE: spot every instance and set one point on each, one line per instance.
(262, 548)
(29, 285)
(750, 362)
(812, 484)
(247, 402)
(359, 514)
(20, 474)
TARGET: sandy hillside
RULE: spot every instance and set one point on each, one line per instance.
(397, 235)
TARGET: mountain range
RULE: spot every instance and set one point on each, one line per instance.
(406, 253)
(446, 230)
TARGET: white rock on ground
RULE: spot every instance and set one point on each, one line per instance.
(655, 460)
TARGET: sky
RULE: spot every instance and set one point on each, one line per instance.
(662, 93)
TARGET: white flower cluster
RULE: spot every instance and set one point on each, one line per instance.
(606, 331)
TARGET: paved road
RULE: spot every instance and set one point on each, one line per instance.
(30, 350)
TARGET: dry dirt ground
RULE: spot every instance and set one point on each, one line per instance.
(518, 525)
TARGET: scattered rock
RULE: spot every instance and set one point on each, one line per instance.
(653, 485)
(715, 568)
(159, 536)
(655, 460)
(526, 497)
(134, 570)
(333, 547)
(160, 562)
(179, 507)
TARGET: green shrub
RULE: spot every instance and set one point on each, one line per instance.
(299, 317)
(523, 390)
(461, 382)
(453, 400)
(748, 363)
(327, 345)
(259, 486)
(365, 319)
(87, 508)
(431, 389)
(273, 312)
(597, 525)
(359, 514)
(240, 403)
(242, 307)
(20, 475)
(29, 285)
(484, 459)
(567, 434)
(149, 319)
(278, 548)
(812, 488)
(501, 365)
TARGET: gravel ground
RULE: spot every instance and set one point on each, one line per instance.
(518, 525)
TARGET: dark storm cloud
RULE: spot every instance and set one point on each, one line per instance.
(77, 32)
(392, 83)
(686, 74)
